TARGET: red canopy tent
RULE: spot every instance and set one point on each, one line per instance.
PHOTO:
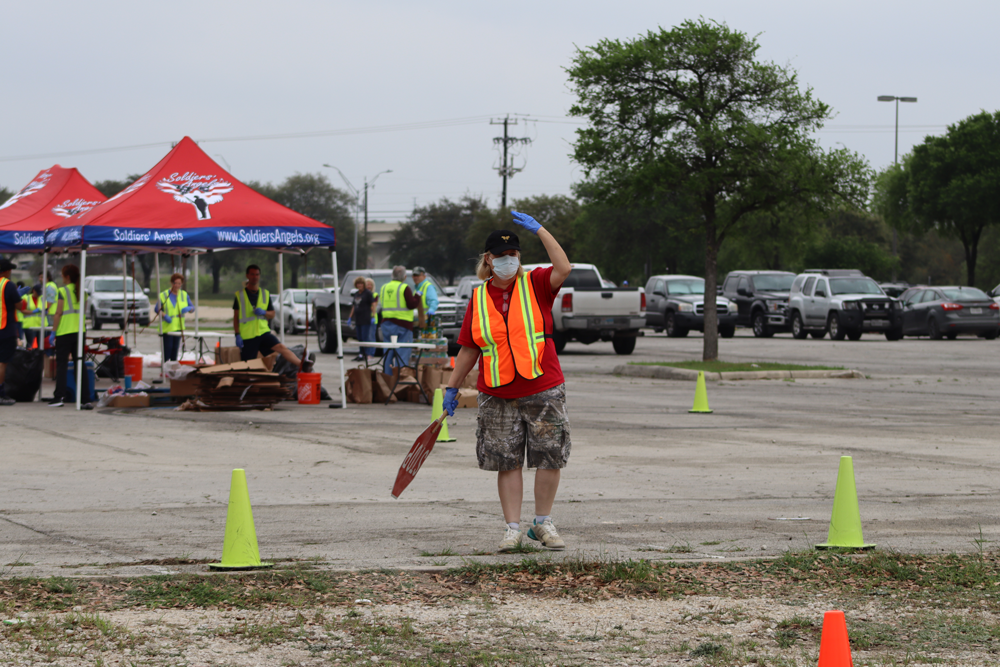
(53, 197)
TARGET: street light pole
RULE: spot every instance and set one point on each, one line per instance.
(358, 204)
(895, 154)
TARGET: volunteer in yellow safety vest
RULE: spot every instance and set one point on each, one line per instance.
(173, 305)
(252, 314)
(429, 298)
(70, 301)
(397, 301)
(32, 317)
(522, 394)
(10, 304)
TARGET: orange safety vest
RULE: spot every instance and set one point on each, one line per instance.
(3, 304)
(511, 345)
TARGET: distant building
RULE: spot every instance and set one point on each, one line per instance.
(379, 235)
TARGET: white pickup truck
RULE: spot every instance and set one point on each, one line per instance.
(586, 311)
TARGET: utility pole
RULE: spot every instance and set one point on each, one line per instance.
(358, 198)
(507, 169)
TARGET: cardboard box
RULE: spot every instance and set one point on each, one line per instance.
(227, 355)
(468, 398)
(130, 402)
(186, 387)
(253, 365)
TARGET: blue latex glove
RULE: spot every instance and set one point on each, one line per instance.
(418, 293)
(52, 339)
(348, 321)
(36, 311)
(167, 318)
(526, 221)
(189, 309)
(260, 312)
(239, 341)
(21, 291)
(450, 400)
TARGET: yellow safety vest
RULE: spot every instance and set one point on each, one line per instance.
(31, 321)
(251, 324)
(168, 308)
(393, 301)
(513, 345)
(69, 322)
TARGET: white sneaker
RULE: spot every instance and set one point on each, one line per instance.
(511, 540)
(56, 404)
(545, 533)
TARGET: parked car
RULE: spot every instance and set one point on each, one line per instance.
(761, 299)
(677, 305)
(106, 301)
(895, 289)
(587, 312)
(326, 316)
(949, 311)
(843, 302)
(291, 309)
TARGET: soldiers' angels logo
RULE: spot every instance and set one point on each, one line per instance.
(72, 207)
(31, 188)
(195, 189)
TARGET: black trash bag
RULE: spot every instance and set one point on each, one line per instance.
(113, 365)
(24, 374)
(283, 367)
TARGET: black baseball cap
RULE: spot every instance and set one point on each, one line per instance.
(501, 241)
(6, 265)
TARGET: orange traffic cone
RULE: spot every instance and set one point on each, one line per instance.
(34, 343)
(453, 362)
(834, 646)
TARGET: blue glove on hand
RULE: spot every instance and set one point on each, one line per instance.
(260, 312)
(167, 318)
(450, 400)
(239, 341)
(21, 291)
(52, 339)
(189, 309)
(36, 311)
(526, 221)
(348, 321)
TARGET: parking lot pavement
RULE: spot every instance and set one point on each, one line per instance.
(100, 492)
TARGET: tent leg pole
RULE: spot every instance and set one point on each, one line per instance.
(45, 314)
(281, 289)
(340, 340)
(197, 331)
(159, 323)
(81, 332)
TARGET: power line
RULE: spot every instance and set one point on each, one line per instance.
(507, 170)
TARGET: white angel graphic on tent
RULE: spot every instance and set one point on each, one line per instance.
(198, 195)
(68, 210)
(31, 188)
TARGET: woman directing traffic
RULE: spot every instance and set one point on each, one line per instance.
(522, 394)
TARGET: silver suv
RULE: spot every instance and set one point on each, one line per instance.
(842, 302)
(106, 301)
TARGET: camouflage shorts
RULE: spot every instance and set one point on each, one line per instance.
(537, 423)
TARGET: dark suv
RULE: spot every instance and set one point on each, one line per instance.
(761, 299)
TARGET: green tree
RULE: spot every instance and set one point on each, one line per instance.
(557, 213)
(954, 183)
(435, 235)
(691, 110)
(5, 194)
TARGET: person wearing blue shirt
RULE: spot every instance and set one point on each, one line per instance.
(428, 295)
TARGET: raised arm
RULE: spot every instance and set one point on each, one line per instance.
(560, 262)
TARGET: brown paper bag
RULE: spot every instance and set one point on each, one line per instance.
(380, 387)
(359, 385)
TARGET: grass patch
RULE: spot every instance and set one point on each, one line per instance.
(447, 551)
(733, 366)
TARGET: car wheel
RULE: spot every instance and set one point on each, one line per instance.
(933, 329)
(623, 344)
(672, 328)
(798, 329)
(324, 336)
(727, 331)
(760, 328)
(95, 320)
(854, 334)
(833, 326)
(559, 340)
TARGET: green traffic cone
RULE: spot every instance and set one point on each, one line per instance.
(436, 412)
(700, 395)
(845, 521)
(239, 547)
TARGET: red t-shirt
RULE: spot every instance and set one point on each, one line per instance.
(551, 370)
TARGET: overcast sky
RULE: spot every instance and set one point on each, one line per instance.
(83, 77)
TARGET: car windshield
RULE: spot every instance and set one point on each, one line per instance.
(775, 283)
(854, 286)
(965, 294)
(115, 285)
(686, 286)
(300, 297)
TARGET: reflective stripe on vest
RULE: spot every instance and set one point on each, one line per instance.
(32, 321)
(3, 303)
(69, 325)
(511, 346)
(166, 306)
(393, 299)
(253, 325)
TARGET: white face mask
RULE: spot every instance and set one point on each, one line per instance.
(505, 266)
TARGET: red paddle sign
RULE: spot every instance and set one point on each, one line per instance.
(418, 453)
